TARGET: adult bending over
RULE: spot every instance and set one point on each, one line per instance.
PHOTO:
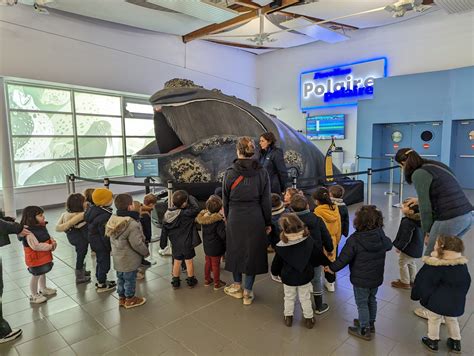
(444, 208)
(248, 212)
(271, 158)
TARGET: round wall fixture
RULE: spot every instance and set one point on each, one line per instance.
(397, 136)
(471, 135)
(426, 136)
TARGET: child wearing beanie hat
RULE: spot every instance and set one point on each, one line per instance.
(97, 217)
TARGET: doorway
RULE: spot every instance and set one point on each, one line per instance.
(462, 152)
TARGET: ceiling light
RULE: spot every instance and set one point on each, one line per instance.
(399, 8)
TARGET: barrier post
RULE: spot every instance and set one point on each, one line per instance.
(72, 178)
(293, 183)
(369, 186)
(147, 187)
(390, 189)
(68, 185)
(106, 182)
(170, 193)
(357, 166)
(400, 189)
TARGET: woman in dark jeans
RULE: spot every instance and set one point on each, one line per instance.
(271, 158)
(248, 212)
(444, 208)
(7, 226)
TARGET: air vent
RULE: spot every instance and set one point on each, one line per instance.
(455, 6)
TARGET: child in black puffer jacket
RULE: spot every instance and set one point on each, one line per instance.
(441, 287)
(296, 256)
(365, 252)
(213, 236)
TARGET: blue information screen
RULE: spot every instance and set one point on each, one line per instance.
(325, 127)
(147, 167)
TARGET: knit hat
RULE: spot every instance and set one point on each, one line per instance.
(102, 197)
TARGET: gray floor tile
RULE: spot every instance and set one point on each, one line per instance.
(97, 344)
(158, 340)
(43, 345)
(34, 330)
(56, 305)
(131, 330)
(8, 349)
(81, 330)
(66, 351)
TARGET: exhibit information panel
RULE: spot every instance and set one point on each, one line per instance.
(147, 167)
(340, 85)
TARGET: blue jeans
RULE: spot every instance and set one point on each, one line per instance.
(457, 226)
(317, 281)
(366, 305)
(126, 282)
(249, 280)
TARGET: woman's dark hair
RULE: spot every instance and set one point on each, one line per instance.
(75, 203)
(412, 161)
(449, 243)
(28, 216)
(214, 204)
(270, 137)
(322, 195)
(367, 218)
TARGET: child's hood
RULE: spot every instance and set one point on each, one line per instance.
(373, 240)
(327, 213)
(69, 220)
(93, 212)
(450, 258)
(117, 225)
(171, 215)
(206, 218)
(280, 209)
(338, 201)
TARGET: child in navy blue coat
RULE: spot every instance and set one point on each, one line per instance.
(441, 287)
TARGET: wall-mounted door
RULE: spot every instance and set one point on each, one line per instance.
(423, 137)
(462, 148)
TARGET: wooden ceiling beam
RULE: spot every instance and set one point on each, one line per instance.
(241, 19)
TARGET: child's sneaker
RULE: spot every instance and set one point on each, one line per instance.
(176, 282)
(454, 346)
(248, 298)
(362, 333)
(165, 252)
(191, 281)
(38, 299)
(146, 263)
(48, 291)
(12, 336)
(134, 302)
(219, 285)
(105, 287)
(399, 284)
(309, 322)
(208, 283)
(322, 309)
(122, 302)
(234, 290)
(289, 320)
(372, 325)
(431, 345)
(329, 286)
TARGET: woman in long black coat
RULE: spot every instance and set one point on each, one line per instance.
(248, 212)
(272, 159)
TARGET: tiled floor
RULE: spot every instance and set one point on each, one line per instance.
(202, 321)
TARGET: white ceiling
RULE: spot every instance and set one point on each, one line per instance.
(180, 17)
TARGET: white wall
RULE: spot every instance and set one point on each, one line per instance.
(431, 42)
(77, 51)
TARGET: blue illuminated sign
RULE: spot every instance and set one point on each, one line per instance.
(340, 85)
(146, 167)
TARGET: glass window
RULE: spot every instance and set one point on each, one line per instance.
(38, 99)
(37, 173)
(100, 147)
(88, 103)
(103, 167)
(139, 127)
(98, 126)
(135, 144)
(36, 148)
(130, 167)
(139, 108)
(31, 123)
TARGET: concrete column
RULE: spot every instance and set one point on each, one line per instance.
(6, 157)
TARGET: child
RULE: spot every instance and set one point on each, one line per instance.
(441, 287)
(179, 227)
(322, 241)
(408, 244)
(72, 223)
(128, 249)
(37, 247)
(365, 252)
(278, 209)
(88, 195)
(96, 217)
(328, 212)
(296, 255)
(289, 192)
(149, 202)
(336, 192)
(213, 236)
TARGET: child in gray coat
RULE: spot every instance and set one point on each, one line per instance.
(128, 249)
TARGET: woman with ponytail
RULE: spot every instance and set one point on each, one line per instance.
(444, 208)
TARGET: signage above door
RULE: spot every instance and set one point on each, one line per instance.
(340, 85)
